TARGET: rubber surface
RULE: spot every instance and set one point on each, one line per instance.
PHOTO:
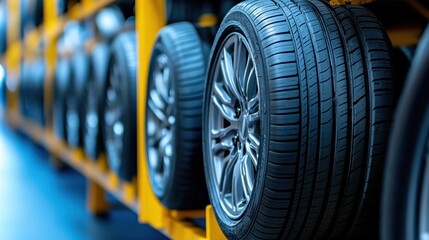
(31, 90)
(405, 163)
(124, 55)
(61, 88)
(327, 85)
(187, 53)
(75, 98)
(3, 27)
(94, 96)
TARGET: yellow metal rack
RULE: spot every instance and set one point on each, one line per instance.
(137, 195)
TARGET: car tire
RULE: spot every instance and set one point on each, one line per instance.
(119, 134)
(61, 88)
(367, 42)
(94, 101)
(174, 116)
(304, 126)
(75, 99)
(406, 175)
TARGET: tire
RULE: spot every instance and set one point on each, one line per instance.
(75, 99)
(3, 27)
(367, 41)
(62, 7)
(61, 88)
(182, 10)
(3, 87)
(31, 91)
(94, 101)
(37, 91)
(120, 107)
(405, 187)
(174, 116)
(303, 130)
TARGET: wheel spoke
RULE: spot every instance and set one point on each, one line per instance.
(157, 100)
(221, 133)
(254, 141)
(250, 152)
(227, 112)
(228, 75)
(161, 86)
(253, 104)
(164, 148)
(226, 173)
(254, 117)
(237, 186)
(222, 95)
(222, 147)
(239, 57)
(159, 114)
(247, 176)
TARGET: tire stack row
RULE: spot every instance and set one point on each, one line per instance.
(31, 90)
(95, 98)
(292, 111)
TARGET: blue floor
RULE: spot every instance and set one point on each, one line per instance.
(38, 202)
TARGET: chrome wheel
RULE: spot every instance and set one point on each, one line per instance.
(234, 124)
(113, 118)
(160, 123)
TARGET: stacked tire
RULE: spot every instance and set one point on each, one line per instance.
(405, 203)
(61, 88)
(297, 114)
(120, 106)
(174, 102)
(107, 24)
(31, 90)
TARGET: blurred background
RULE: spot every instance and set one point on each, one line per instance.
(104, 104)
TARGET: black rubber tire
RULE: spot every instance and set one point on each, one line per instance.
(3, 89)
(3, 27)
(37, 91)
(31, 90)
(38, 12)
(61, 88)
(80, 66)
(62, 6)
(182, 10)
(187, 54)
(124, 56)
(407, 159)
(367, 41)
(327, 108)
(94, 101)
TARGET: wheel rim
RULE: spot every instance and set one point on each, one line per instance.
(114, 120)
(234, 124)
(424, 198)
(160, 123)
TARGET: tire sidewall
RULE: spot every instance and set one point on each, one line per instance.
(239, 21)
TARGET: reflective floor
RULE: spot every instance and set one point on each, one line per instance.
(38, 202)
